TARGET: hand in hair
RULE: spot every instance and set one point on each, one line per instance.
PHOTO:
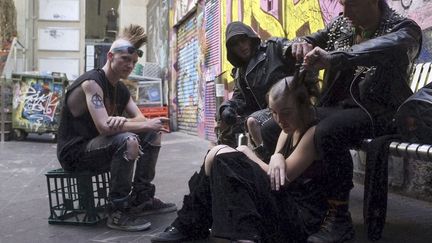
(300, 48)
(317, 59)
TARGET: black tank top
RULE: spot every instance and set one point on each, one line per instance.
(75, 132)
(315, 171)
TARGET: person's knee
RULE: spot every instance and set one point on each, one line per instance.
(254, 127)
(132, 148)
(243, 148)
(252, 123)
(222, 149)
(219, 149)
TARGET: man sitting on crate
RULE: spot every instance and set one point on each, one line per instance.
(95, 135)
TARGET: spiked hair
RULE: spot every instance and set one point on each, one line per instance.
(134, 34)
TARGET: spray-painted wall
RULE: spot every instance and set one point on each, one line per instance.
(186, 96)
(284, 18)
(212, 64)
(35, 103)
(420, 11)
(281, 18)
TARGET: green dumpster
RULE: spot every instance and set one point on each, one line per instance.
(36, 102)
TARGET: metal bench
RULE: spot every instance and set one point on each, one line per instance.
(407, 171)
(422, 75)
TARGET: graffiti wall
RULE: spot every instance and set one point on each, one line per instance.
(186, 58)
(280, 18)
(420, 11)
(35, 104)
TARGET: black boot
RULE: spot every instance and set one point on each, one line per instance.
(337, 226)
(170, 234)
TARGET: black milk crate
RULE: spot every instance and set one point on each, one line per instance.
(77, 198)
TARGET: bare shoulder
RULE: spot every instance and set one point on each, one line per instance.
(90, 86)
(76, 101)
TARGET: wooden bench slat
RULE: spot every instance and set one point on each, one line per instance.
(416, 76)
(429, 78)
(424, 74)
(421, 76)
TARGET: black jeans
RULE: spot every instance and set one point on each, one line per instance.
(338, 131)
(237, 203)
(108, 153)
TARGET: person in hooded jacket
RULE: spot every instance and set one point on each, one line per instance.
(257, 66)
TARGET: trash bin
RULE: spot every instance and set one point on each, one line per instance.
(36, 103)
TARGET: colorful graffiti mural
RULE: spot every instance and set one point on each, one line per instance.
(419, 11)
(182, 8)
(280, 18)
(35, 104)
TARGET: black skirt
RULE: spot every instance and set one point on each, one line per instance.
(245, 207)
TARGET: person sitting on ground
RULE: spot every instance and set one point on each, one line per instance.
(243, 199)
(367, 53)
(257, 66)
(94, 135)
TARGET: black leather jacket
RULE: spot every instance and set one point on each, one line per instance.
(374, 73)
(252, 83)
(254, 79)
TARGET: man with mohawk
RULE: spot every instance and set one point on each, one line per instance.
(95, 135)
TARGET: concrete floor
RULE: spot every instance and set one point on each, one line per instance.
(24, 206)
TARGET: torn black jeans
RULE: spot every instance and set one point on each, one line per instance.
(109, 153)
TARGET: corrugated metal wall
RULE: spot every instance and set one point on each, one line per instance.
(212, 62)
(187, 76)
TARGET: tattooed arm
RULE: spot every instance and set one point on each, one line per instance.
(99, 114)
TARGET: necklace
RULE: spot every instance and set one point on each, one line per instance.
(367, 34)
(363, 35)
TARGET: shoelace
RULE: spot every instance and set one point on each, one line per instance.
(329, 219)
(170, 229)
